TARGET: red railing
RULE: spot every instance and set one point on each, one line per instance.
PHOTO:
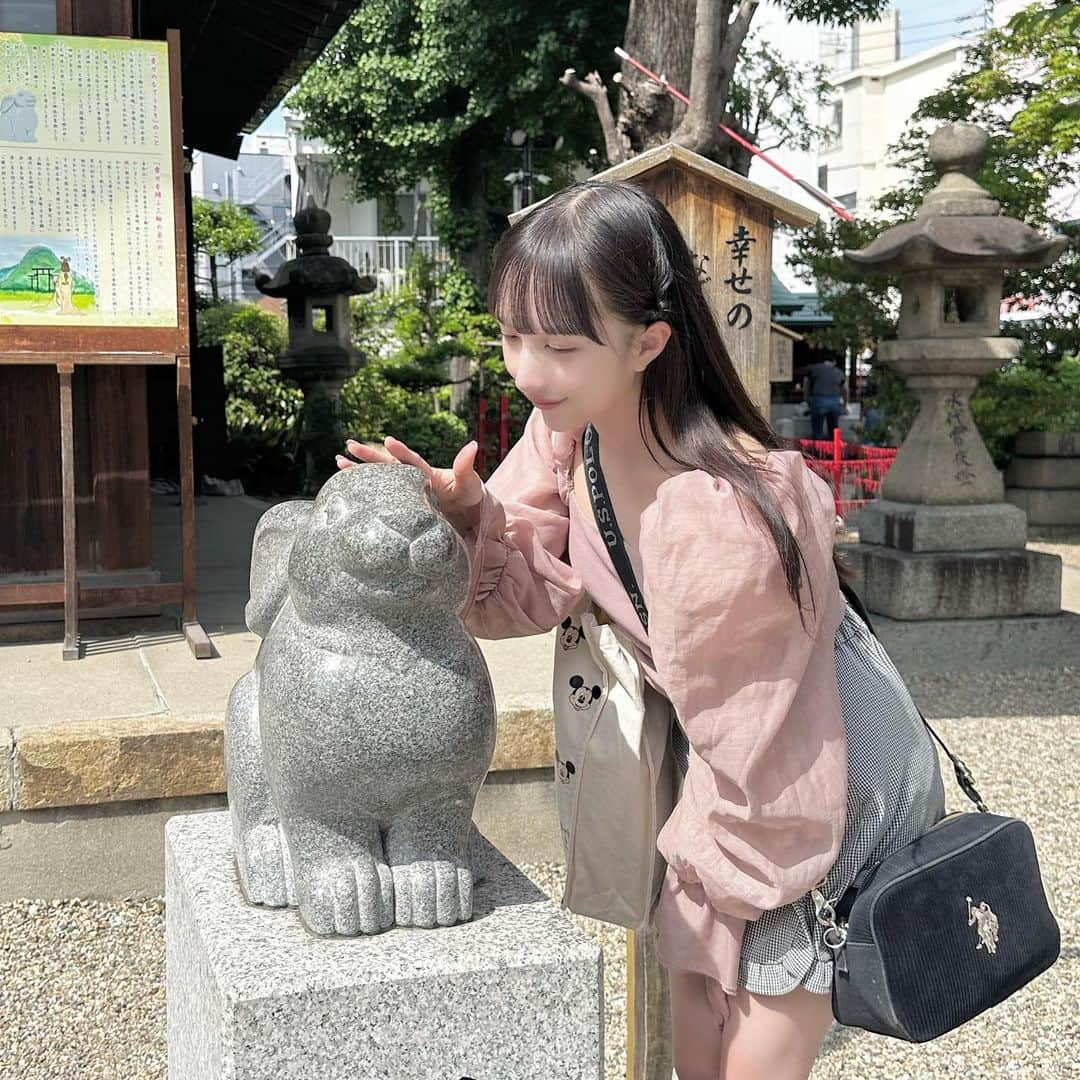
(854, 472)
(482, 431)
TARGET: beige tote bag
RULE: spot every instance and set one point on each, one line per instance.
(614, 783)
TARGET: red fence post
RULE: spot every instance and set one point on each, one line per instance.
(481, 436)
(838, 458)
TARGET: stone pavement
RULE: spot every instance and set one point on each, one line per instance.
(81, 982)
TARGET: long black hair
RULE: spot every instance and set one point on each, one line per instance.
(624, 243)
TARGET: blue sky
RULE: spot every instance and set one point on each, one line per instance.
(932, 22)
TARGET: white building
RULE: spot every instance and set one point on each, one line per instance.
(881, 70)
(872, 107)
(271, 179)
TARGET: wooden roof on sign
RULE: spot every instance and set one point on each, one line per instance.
(784, 210)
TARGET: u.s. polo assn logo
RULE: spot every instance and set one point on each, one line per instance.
(985, 923)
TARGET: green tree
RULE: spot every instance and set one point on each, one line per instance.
(261, 406)
(429, 88)
(413, 89)
(223, 232)
(1021, 84)
(409, 339)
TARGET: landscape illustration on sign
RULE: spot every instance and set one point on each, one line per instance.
(45, 277)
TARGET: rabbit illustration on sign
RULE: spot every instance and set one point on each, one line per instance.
(18, 117)
(356, 744)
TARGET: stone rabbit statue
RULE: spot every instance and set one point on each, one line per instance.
(355, 746)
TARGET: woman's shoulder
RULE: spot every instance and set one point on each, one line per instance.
(697, 498)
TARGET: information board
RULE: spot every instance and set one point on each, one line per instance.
(87, 228)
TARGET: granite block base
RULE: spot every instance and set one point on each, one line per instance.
(925, 527)
(956, 585)
(515, 994)
(1047, 506)
(945, 646)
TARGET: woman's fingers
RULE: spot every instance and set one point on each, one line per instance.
(402, 453)
(466, 479)
(368, 453)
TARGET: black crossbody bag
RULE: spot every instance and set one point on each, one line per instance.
(942, 929)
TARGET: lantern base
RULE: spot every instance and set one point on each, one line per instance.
(987, 584)
(918, 527)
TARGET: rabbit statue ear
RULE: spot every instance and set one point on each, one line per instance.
(270, 549)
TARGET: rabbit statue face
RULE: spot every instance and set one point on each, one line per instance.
(375, 538)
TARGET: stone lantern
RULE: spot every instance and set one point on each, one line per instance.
(942, 545)
(320, 356)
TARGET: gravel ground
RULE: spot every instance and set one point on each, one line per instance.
(82, 994)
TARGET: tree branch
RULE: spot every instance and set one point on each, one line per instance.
(592, 87)
(734, 36)
(698, 128)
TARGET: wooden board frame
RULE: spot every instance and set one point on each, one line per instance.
(66, 347)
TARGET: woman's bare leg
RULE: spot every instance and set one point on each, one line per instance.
(748, 1036)
(773, 1037)
(696, 1028)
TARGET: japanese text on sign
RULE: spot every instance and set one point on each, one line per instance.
(86, 182)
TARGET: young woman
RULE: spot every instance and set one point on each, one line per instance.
(806, 757)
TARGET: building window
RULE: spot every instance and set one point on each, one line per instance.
(28, 16)
(823, 177)
(847, 201)
(837, 122)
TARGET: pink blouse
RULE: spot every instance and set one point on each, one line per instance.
(763, 806)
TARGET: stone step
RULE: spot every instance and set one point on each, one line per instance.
(957, 585)
(1044, 472)
(1044, 506)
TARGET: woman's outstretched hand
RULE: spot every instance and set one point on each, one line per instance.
(459, 489)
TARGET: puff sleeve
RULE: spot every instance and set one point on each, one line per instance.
(762, 813)
(520, 580)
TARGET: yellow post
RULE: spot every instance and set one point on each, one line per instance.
(648, 1011)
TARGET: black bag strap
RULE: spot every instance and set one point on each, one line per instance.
(604, 514)
(606, 523)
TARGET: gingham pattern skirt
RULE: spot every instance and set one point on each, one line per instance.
(895, 794)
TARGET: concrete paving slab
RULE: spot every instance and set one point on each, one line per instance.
(6, 780)
(37, 686)
(193, 687)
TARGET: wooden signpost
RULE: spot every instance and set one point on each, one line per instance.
(96, 167)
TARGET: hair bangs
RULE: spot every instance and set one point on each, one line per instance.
(542, 280)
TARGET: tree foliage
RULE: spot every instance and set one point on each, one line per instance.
(429, 88)
(223, 232)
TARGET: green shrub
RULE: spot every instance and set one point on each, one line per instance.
(261, 406)
(1023, 398)
(409, 339)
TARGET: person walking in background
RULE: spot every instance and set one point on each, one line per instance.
(825, 390)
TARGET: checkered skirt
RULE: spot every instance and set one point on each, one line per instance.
(895, 794)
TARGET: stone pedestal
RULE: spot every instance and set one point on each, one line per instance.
(986, 584)
(516, 993)
(1043, 480)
